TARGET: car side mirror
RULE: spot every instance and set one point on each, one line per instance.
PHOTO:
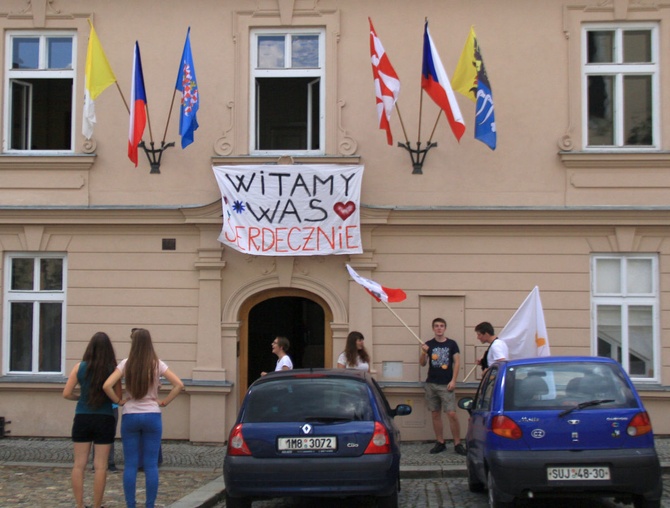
(466, 403)
(402, 410)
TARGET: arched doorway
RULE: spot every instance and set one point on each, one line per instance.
(299, 315)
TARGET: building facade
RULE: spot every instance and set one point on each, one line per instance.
(574, 199)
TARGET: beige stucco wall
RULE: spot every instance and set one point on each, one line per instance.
(467, 239)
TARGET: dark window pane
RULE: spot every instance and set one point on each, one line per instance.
(637, 46)
(20, 336)
(59, 53)
(300, 400)
(51, 274)
(51, 317)
(283, 113)
(26, 53)
(305, 51)
(601, 110)
(22, 274)
(20, 125)
(637, 110)
(52, 114)
(600, 47)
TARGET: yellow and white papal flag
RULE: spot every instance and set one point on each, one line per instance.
(99, 75)
(526, 333)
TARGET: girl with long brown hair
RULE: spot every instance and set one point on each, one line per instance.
(94, 420)
(141, 425)
(354, 356)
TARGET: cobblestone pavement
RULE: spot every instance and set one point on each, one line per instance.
(42, 487)
(442, 493)
(35, 472)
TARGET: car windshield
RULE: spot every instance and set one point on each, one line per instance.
(565, 385)
(311, 399)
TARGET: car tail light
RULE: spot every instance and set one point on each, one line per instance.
(506, 427)
(639, 425)
(380, 442)
(236, 444)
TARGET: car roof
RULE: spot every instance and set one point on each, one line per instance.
(316, 372)
(558, 359)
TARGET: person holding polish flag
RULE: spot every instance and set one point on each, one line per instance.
(435, 82)
(138, 105)
(387, 83)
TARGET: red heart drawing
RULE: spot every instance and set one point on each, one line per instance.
(344, 210)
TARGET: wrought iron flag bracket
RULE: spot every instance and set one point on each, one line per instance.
(417, 155)
(155, 154)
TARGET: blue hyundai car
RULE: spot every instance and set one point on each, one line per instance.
(560, 427)
(314, 432)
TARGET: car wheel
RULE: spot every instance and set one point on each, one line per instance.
(494, 499)
(237, 502)
(390, 501)
(641, 502)
(473, 482)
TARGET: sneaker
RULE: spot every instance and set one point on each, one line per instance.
(460, 449)
(112, 468)
(439, 447)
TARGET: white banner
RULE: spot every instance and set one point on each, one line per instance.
(291, 210)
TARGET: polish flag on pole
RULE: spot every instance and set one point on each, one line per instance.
(138, 105)
(526, 332)
(387, 84)
(378, 292)
(435, 82)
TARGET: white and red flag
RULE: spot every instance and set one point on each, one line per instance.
(378, 292)
(387, 84)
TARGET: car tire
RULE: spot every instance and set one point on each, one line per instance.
(237, 502)
(494, 499)
(390, 501)
(473, 482)
(641, 502)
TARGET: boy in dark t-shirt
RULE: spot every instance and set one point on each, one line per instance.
(442, 356)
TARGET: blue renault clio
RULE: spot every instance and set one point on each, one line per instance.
(560, 426)
(314, 432)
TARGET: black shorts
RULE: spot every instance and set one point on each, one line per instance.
(99, 429)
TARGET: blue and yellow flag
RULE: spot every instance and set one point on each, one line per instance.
(471, 80)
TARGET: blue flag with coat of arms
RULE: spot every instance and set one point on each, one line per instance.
(190, 97)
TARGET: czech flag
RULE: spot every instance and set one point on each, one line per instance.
(138, 107)
(435, 82)
(378, 292)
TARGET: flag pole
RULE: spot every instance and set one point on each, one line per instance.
(402, 124)
(122, 97)
(400, 319)
(174, 93)
(435, 126)
(471, 371)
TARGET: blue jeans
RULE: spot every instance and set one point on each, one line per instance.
(145, 430)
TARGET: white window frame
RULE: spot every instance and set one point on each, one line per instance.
(37, 297)
(619, 70)
(42, 72)
(624, 301)
(316, 73)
